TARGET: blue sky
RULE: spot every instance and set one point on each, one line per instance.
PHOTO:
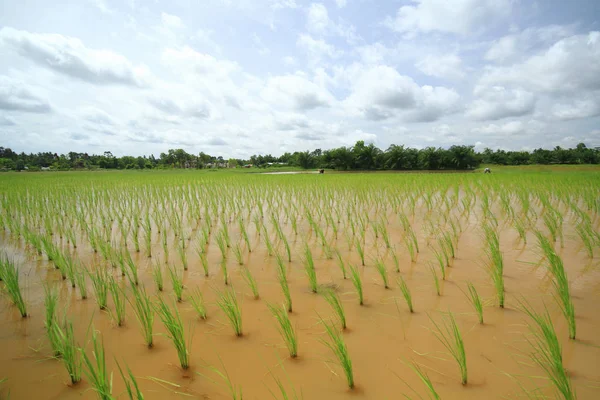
(236, 78)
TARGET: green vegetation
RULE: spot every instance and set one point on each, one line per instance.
(288, 333)
(175, 330)
(337, 345)
(227, 301)
(9, 274)
(144, 312)
(95, 369)
(449, 335)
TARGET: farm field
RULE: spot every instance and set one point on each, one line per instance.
(184, 284)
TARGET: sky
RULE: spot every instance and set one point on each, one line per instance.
(236, 78)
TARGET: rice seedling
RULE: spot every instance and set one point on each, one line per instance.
(203, 260)
(337, 306)
(521, 230)
(337, 345)
(118, 297)
(380, 266)
(175, 331)
(144, 311)
(131, 270)
(244, 234)
(341, 264)
(197, 300)
(100, 283)
(360, 251)
(547, 352)
(234, 391)
(223, 265)
(10, 277)
(585, 232)
(436, 280)
(251, 282)
(449, 335)
(287, 331)
(176, 282)
(50, 305)
(131, 385)
(183, 254)
(95, 369)
(267, 240)
(357, 282)
(475, 300)
(157, 276)
(80, 278)
(227, 301)
(70, 354)
(395, 259)
(283, 282)
(237, 251)
(495, 264)
(411, 248)
(405, 293)
(309, 268)
(431, 392)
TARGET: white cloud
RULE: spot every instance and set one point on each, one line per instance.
(341, 3)
(171, 22)
(586, 107)
(453, 16)
(317, 19)
(15, 96)
(442, 66)
(296, 92)
(316, 48)
(69, 56)
(380, 92)
(498, 102)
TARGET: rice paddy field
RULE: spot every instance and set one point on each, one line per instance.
(185, 284)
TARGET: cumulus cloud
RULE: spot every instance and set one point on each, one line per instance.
(453, 16)
(296, 92)
(6, 121)
(69, 56)
(498, 102)
(588, 106)
(380, 92)
(570, 65)
(442, 66)
(317, 18)
(316, 48)
(15, 96)
(194, 108)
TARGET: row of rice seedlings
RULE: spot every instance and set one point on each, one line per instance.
(495, 263)
(227, 301)
(176, 282)
(251, 282)
(337, 345)
(309, 268)
(197, 300)
(337, 306)
(118, 298)
(100, 284)
(283, 283)
(287, 331)
(175, 331)
(357, 283)
(449, 335)
(144, 312)
(381, 269)
(547, 353)
(9, 274)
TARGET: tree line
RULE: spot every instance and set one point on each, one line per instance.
(361, 156)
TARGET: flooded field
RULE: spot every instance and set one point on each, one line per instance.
(440, 280)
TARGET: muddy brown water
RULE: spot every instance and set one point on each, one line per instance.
(382, 336)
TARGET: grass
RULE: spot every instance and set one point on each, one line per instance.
(10, 277)
(287, 331)
(100, 283)
(405, 293)
(95, 369)
(197, 301)
(357, 282)
(251, 282)
(337, 345)
(118, 298)
(144, 312)
(475, 301)
(547, 352)
(380, 267)
(449, 335)
(175, 331)
(227, 301)
(337, 306)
